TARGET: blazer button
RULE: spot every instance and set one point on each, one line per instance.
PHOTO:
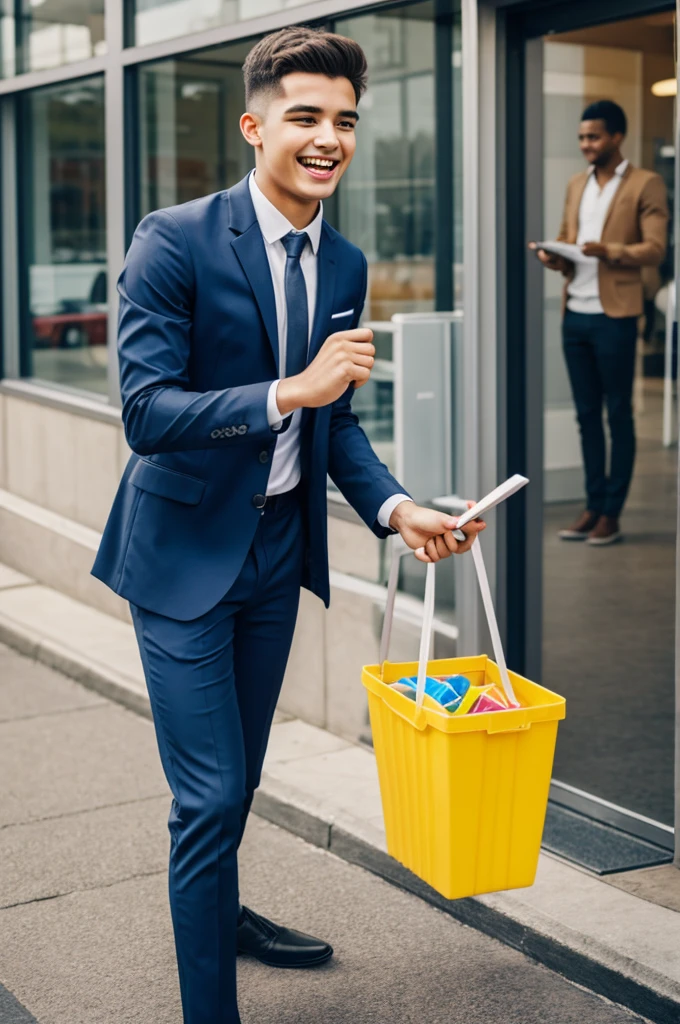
(259, 500)
(264, 457)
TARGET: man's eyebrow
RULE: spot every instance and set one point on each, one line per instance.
(303, 108)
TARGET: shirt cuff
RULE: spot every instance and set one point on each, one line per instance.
(387, 508)
(274, 417)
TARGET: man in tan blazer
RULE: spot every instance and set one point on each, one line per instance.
(617, 214)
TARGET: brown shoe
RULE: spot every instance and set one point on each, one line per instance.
(606, 531)
(580, 529)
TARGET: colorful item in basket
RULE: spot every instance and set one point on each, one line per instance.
(492, 698)
(447, 691)
(461, 684)
(410, 692)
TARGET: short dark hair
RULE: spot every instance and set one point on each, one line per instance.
(303, 49)
(611, 113)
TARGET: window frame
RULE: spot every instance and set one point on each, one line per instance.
(118, 67)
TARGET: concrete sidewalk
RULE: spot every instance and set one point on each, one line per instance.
(325, 790)
(86, 934)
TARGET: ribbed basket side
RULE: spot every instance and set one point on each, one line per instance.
(533, 772)
(396, 747)
(464, 812)
(417, 791)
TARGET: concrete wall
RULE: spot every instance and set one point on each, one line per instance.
(58, 474)
(59, 469)
(67, 463)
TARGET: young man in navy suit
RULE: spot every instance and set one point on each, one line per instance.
(239, 355)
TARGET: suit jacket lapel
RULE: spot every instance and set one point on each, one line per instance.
(620, 189)
(325, 292)
(250, 251)
(577, 196)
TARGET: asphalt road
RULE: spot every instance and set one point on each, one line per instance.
(84, 924)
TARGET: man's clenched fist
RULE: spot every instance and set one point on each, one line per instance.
(344, 358)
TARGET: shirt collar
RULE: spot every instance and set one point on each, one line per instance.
(620, 170)
(273, 225)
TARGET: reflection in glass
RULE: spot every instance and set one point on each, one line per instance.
(387, 198)
(64, 235)
(40, 34)
(190, 140)
(167, 19)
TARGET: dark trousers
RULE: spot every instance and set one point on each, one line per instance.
(213, 685)
(600, 355)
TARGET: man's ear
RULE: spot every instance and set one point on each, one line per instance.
(250, 125)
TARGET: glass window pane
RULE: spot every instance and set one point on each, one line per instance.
(40, 34)
(387, 199)
(63, 234)
(167, 19)
(190, 140)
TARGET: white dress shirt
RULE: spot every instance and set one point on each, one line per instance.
(285, 471)
(584, 288)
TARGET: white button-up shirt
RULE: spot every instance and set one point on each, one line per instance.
(285, 471)
(584, 289)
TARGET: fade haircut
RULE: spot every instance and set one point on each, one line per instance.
(611, 113)
(302, 49)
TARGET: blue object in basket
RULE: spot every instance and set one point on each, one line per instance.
(447, 691)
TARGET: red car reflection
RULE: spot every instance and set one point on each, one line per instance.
(69, 330)
(76, 322)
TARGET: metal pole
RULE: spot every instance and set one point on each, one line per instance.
(443, 229)
(467, 416)
(115, 178)
(10, 365)
(676, 217)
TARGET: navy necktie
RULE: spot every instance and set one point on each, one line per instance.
(297, 333)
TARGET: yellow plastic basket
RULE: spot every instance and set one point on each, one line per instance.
(464, 796)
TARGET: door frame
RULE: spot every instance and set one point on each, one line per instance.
(522, 27)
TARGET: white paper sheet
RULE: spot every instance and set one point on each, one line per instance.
(567, 250)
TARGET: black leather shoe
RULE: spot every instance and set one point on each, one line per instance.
(276, 946)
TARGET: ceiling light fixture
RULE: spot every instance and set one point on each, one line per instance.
(665, 87)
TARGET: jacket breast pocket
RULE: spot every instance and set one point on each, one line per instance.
(167, 483)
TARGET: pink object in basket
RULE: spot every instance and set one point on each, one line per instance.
(493, 699)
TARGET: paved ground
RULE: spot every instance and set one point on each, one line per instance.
(83, 916)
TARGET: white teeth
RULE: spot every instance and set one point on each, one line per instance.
(312, 161)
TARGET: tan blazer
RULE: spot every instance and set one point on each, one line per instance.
(635, 233)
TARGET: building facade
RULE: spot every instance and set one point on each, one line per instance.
(466, 140)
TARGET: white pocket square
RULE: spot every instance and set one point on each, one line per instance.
(346, 312)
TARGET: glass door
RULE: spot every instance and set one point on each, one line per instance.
(608, 611)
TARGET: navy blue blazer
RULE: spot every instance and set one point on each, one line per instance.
(198, 349)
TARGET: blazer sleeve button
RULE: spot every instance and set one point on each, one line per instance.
(263, 457)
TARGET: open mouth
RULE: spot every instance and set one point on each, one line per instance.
(319, 167)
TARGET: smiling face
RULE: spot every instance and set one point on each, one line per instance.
(597, 145)
(304, 140)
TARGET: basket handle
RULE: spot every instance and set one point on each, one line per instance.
(492, 621)
(398, 550)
